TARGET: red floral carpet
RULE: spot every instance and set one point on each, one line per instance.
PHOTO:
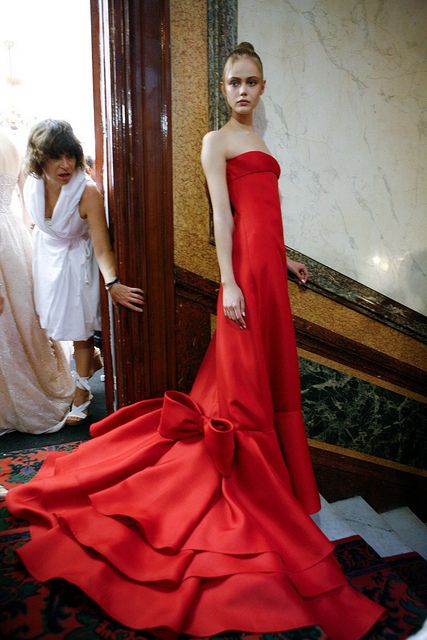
(56, 610)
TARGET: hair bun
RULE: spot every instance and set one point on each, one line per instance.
(244, 49)
(245, 46)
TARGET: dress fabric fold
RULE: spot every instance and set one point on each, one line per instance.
(36, 387)
(188, 513)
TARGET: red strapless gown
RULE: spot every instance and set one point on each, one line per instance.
(188, 514)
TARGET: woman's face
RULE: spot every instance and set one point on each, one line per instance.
(60, 170)
(242, 85)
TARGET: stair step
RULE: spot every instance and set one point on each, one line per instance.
(366, 522)
(409, 528)
(332, 525)
(422, 633)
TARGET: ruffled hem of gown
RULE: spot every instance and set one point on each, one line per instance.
(185, 524)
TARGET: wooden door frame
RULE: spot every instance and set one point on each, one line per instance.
(132, 100)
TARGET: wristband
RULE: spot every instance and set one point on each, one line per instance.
(108, 285)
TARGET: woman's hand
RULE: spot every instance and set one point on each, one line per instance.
(129, 297)
(233, 304)
(298, 269)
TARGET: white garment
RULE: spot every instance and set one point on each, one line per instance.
(66, 277)
(36, 386)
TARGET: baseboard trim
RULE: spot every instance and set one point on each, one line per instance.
(342, 473)
(316, 339)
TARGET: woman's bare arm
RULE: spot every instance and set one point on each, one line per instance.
(92, 209)
(214, 166)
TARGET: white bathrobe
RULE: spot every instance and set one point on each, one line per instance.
(66, 277)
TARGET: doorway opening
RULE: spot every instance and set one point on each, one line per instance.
(46, 72)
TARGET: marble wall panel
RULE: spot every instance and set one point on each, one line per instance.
(344, 112)
(349, 412)
(354, 371)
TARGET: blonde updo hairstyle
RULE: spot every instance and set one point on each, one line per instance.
(244, 49)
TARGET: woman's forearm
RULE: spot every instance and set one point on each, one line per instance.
(106, 263)
(223, 229)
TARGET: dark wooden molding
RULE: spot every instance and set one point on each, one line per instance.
(342, 473)
(98, 81)
(316, 339)
(195, 302)
(193, 334)
(196, 288)
(136, 123)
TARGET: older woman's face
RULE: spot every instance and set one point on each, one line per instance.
(60, 170)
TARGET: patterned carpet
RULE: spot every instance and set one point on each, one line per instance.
(56, 610)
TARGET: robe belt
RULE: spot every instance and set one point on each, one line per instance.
(182, 418)
(86, 248)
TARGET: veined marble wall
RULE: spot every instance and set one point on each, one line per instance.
(344, 112)
(344, 410)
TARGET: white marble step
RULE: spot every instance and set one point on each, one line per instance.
(422, 633)
(409, 528)
(333, 526)
(371, 526)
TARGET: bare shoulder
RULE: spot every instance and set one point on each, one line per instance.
(212, 141)
(213, 147)
(91, 194)
(91, 200)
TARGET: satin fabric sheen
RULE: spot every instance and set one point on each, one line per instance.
(188, 513)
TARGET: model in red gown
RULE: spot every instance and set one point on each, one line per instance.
(188, 514)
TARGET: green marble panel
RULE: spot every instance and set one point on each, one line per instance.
(343, 410)
(222, 38)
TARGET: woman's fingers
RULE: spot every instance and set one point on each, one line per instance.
(136, 291)
(303, 273)
(135, 295)
(236, 314)
(130, 297)
(231, 314)
(239, 315)
(129, 305)
(234, 304)
(242, 313)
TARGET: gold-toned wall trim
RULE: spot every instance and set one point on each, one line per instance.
(190, 121)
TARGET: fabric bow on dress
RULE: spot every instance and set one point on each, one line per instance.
(182, 418)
